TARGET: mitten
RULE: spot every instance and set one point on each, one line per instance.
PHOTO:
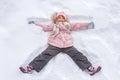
(91, 25)
(31, 22)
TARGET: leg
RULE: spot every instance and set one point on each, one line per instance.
(41, 60)
(78, 57)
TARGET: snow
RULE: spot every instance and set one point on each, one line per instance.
(21, 42)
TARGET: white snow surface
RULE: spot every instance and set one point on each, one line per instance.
(20, 42)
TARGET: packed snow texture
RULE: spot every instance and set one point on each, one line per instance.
(20, 42)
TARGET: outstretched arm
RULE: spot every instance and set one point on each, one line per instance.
(82, 26)
(46, 28)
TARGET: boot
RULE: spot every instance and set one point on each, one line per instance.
(92, 70)
(26, 69)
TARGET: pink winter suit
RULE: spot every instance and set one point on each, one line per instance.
(63, 39)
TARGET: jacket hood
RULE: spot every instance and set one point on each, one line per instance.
(62, 14)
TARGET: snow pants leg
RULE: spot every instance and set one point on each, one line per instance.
(77, 57)
(41, 60)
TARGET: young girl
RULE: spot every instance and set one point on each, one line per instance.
(60, 40)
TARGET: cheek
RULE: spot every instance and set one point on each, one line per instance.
(63, 20)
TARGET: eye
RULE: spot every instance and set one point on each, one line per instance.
(61, 17)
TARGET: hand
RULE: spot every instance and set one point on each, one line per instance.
(31, 22)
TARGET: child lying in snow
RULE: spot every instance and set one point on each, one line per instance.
(60, 40)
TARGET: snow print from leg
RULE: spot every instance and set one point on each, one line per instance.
(25, 67)
(34, 54)
(81, 60)
(41, 60)
(78, 57)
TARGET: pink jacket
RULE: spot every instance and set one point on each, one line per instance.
(63, 39)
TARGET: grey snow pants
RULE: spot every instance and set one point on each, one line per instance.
(42, 59)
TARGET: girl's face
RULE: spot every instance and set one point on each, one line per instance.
(61, 18)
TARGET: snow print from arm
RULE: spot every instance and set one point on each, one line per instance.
(74, 26)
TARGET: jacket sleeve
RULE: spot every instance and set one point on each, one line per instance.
(46, 28)
(82, 26)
